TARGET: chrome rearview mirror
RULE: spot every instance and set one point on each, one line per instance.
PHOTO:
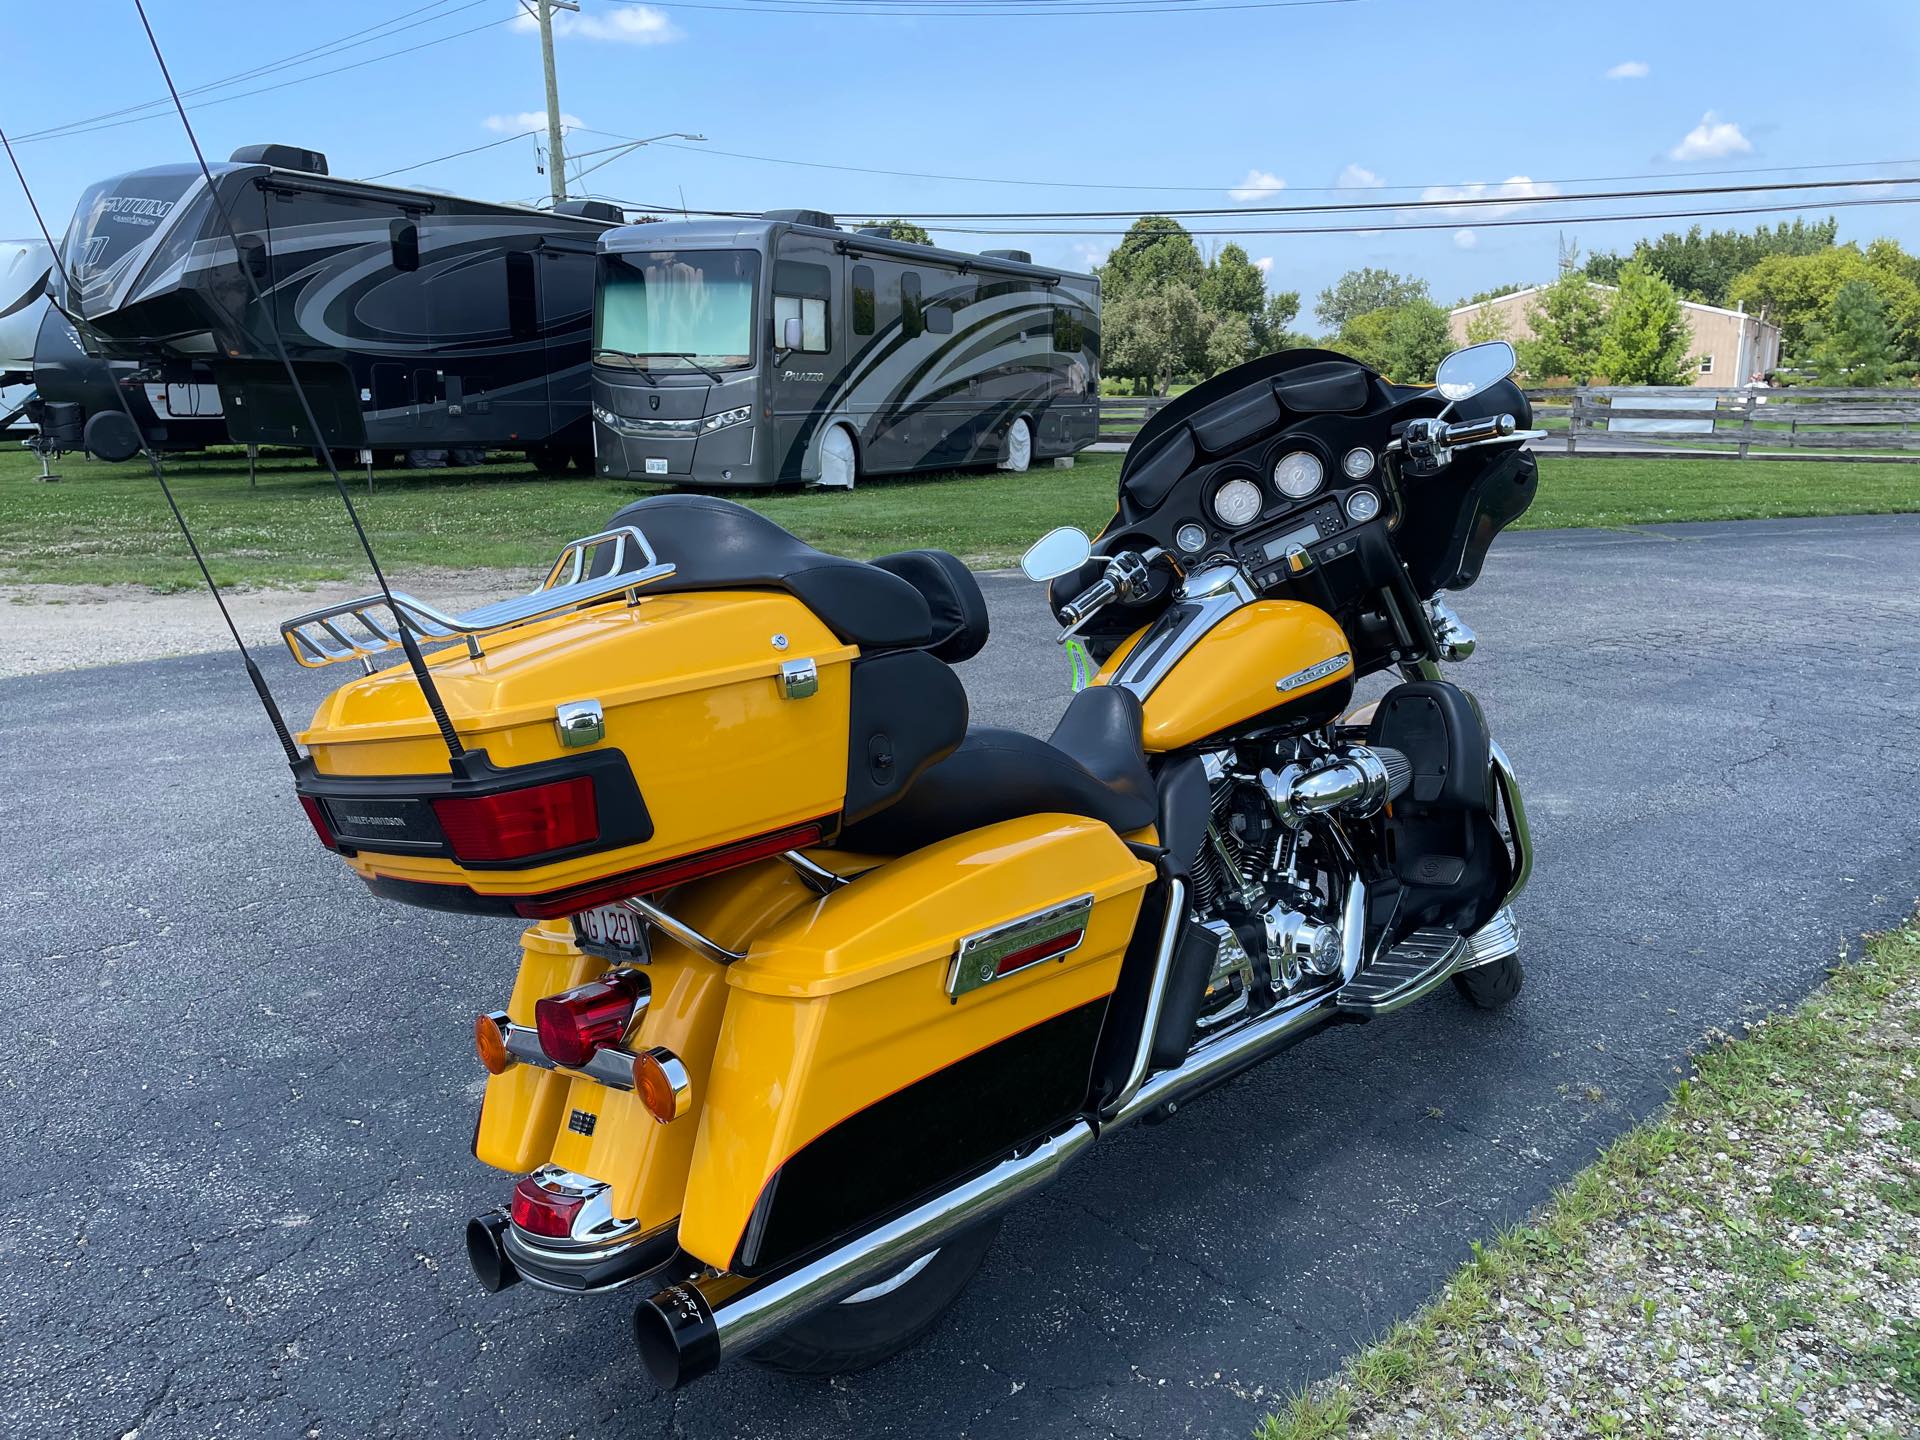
(1467, 372)
(1058, 552)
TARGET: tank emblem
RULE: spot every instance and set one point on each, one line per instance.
(1312, 673)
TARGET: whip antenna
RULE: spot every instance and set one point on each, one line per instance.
(407, 642)
(274, 717)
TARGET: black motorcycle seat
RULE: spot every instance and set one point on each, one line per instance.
(1093, 765)
(953, 596)
(715, 544)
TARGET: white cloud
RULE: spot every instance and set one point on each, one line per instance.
(529, 120)
(1521, 189)
(1358, 177)
(1712, 139)
(1091, 257)
(628, 25)
(1465, 239)
(1264, 265)
(1259, 185)
(1630, 70)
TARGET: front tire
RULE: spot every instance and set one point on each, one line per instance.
(1018, 454)
(880, 1321)
(1492, 985)
(839, 459)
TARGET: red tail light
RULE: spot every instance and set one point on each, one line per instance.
(319, 819)
(672, 872)
(516, 823)
(575, 1024)
(540, 1211)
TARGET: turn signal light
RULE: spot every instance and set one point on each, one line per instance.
(513, 824)
(544, 1212)
(661, 1082)
(580, 1021)
(491, 1045)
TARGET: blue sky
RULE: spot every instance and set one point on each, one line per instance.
(1328, 100)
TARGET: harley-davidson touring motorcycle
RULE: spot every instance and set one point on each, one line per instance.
(819, 980)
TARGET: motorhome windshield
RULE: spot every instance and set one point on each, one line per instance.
(676, 309)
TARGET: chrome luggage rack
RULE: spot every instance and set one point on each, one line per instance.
(327, 636)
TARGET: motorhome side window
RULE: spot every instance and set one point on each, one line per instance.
(803, 291)
(1069, 330)
(913, 315)
(952, 298)
(864, 298)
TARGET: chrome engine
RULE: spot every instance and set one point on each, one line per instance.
(1272, 874)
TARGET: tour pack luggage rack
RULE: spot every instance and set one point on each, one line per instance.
(324, 637)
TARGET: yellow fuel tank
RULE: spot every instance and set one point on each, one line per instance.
(1267, 662)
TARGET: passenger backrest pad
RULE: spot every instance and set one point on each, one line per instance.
(952, 595)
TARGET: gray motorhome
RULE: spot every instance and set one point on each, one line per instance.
(787, 350)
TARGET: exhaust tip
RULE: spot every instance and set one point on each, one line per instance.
(676, 1335)
(491, 1264)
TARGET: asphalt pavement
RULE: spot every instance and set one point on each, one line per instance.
(240, 1092)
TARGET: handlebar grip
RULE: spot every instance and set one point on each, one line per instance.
(1472, 432)
(1088, 601)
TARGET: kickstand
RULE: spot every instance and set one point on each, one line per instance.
(46, 474)
(367, 455)
(253, 454)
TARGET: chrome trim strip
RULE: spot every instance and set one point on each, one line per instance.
(1508, 786)
(1207, 598)
(819, 879)
(976, 959)
(1495, 940)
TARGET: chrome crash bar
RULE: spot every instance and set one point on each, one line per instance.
(363, 628)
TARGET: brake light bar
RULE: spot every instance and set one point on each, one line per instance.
(318, 817)
(512, 824)
(671, 872)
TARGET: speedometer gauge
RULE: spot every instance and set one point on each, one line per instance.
(1298, 474)
(1237, 502)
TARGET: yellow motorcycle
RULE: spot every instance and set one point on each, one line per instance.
(819, 980)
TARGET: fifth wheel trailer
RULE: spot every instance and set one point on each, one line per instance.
(415, 320)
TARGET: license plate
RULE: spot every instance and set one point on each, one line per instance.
(612, 930)
(656, 466)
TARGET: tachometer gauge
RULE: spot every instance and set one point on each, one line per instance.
(1237, 502)
(1190, 537)
(1298, 474)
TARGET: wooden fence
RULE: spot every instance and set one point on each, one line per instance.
(1121, 416)
(1798, 422)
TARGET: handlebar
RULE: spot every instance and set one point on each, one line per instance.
(1088, 601)
(1475, 432)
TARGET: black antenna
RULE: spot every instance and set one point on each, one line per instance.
(407, 641)
(274, 717)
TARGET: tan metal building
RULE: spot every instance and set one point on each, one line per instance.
(1729, 347)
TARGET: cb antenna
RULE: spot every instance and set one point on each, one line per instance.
(274, 717)
(410, 645)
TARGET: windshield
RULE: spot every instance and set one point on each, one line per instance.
(676, 309)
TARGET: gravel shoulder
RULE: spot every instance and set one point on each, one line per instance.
(1745, 1263)
(71, 627)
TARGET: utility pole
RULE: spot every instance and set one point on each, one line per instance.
(556, 156)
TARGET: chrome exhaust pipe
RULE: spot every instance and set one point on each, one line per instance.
(687, 1329)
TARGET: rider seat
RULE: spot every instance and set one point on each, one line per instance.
(1093, 765)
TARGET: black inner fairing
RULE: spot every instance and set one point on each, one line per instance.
(1431, 532)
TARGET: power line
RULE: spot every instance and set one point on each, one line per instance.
(455, 155)
(336, 46)
(1264, 189)
(82, 129)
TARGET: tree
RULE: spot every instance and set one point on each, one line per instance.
(1156, 251)
(1365, 337)
(1229, 342)
(1703, 264)
(1646, 340)
(1273, 331)
(1359, 292)
(1480, 297)
(1795, 292)
(1854, 344)
(1152, 336)
(1233, 285)
(1487, 323)
(900, 230)
(1418, 339)
(1567, 319)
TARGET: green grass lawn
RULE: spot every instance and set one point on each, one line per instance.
(107, 523)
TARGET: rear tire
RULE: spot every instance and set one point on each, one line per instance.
(839, 459)
(858, 1333)
(1492, 985)
(1018, 454)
